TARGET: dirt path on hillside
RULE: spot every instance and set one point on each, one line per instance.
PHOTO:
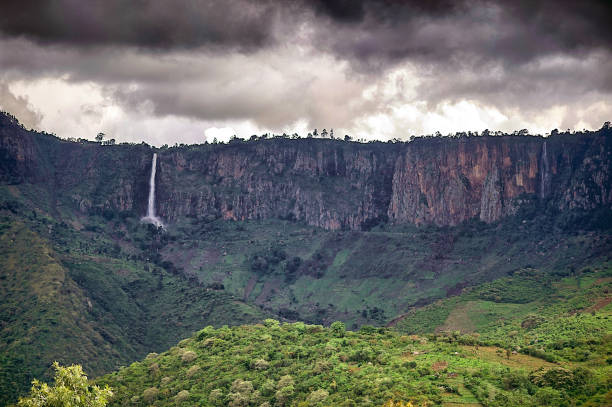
(396, 320)
(249, 287)
(266, 291)
(598, 305)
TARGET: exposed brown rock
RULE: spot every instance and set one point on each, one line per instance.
(327, 183)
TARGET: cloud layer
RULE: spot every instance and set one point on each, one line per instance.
(376, 69)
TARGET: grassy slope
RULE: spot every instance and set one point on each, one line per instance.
(42, 311)
(76, 297)
(563, 360)
(565, 320)
(523, 304)
(369, 277)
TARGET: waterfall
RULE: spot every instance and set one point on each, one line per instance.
(151, 217)
(544, 174)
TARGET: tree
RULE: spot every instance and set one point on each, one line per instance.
(100, 137)
(338, 328)
(71, 389)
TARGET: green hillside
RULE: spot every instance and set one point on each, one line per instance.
(115, 289)
(560, 319)
(528, 340)
(369, 277)
(75, 297)
(308, 365)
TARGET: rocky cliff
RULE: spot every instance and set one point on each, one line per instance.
(328, 183)
(324, 183)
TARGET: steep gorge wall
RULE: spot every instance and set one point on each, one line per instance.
(447, 181)
(336, 185)
(321, 182)
(327, 183)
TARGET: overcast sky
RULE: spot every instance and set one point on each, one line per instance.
(182, 71)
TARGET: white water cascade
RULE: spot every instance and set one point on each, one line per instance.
(151, 217)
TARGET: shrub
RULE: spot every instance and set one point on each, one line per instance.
(556, 377)
(515, 380)
(181, 396)
(531, 321)
(338, 328)
(548, 396)
(216, 397)
(284, 395)
(411, 365)
(267, 389)
(300, 327)
(150, 394)
(317, 396)
(271, 323)
(260, 364)
(238, 400)
(367, 329)
(313, 329)
(285, 381)
(189, 356)
(193, 370)
(206, 332)
(242, 386)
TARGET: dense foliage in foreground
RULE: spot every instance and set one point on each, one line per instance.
(309, 365)
(71, 389)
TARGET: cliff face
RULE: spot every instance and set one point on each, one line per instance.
(83, 176)
(451, 181)
(323, 183)
(448, 181)
(326, 183)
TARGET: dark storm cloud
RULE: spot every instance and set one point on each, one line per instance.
(368, 31)
(143, 23)
(378, 33)
(279, 61)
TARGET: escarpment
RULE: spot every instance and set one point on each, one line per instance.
(332, 184)
(323, 183)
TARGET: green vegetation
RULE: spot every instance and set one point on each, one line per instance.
(103, 289)
(527, 305)
(304, 273)
(77, 296)
(296, 364)
(71, 389)
(562, 320)
(498, 344)
(510, 313)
